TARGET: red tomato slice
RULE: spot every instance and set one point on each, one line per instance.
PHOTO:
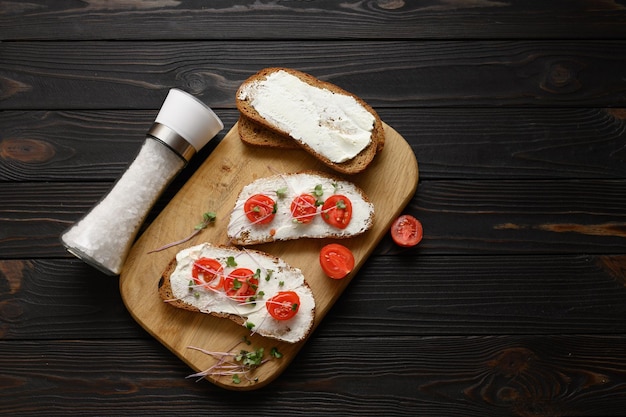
(336, 260)
(205, 270)
(284, 305)
(303, 208)
(337, 211)
(241, 284)
(260, 209)
(407, 231)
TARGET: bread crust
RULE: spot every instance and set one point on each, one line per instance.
(254, 134)
(247, 111)
(166, 293)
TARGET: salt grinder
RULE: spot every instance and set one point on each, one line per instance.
(103, 237)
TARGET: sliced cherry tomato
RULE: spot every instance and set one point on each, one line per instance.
(205, 270)
(284, 305)
(337, 211)
(260, 209)
(303, 208)
(241, 284)
(336, 260)
(407, 231)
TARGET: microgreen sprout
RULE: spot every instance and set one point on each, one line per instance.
(318, 192)
(207, 218)
(237, 365)
(282, 192)
(275, 353)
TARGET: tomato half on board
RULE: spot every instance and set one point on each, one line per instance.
(337, 211)
(303, 208)
(284, 305)
(406, 231)
(241, 284)
(260, 209)
(205, 270)
(336, 260)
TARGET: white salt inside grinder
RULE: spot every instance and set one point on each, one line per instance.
(103, 237)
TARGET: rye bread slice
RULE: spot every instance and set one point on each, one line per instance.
(352, 166)
(254, 134)
(242, 232)
(276, 276)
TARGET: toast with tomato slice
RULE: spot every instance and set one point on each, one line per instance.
(253, 289)
(307, 204)
(280, 107)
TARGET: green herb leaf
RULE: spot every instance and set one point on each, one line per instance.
(318, 191)
(275, 353)
(208, 217)
(236, 379)
(230, 261)
(281, 192)
(250, 358)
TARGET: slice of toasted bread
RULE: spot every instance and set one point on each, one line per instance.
(331, 119)
(178, 288)
(254, 134)
(283, 188)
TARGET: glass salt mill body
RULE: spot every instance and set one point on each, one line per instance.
(103, 237)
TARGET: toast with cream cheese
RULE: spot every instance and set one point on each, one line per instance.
(185, 284)
(335, 126)
(277, 219)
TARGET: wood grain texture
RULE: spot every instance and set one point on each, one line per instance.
(540, 143)
(512, 306)
(435, 376)
(226, 19)
(460, 217)
(438, 295)
(104, 75)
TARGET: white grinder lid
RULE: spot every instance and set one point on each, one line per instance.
(189, 117)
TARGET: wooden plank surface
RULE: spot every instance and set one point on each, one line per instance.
(435, 376)
(397, 73)
(321, 19)
(215, 187)
(514, 303)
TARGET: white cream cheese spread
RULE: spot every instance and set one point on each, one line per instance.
(275, 275)
(334, 125)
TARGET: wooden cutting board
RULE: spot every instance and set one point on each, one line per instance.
(389, 182)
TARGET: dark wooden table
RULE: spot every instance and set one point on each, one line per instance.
(513, 304)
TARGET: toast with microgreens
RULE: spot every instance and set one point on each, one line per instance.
(253, 289)
(307, 204)
(335, 126)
